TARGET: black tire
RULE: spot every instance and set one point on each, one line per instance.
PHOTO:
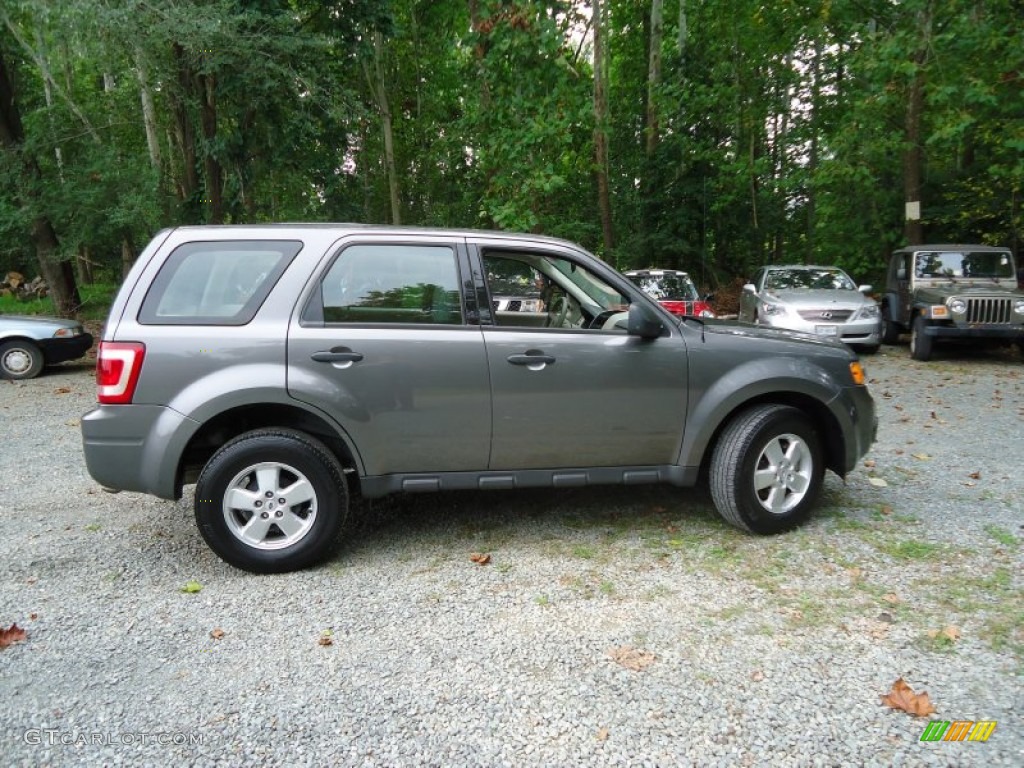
(920, 342)
(748, 446)
(890, 330)
(868, 349)
(20, 359)
(297, 525)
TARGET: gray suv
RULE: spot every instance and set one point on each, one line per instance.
(285, 368)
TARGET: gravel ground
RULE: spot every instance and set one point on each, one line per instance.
(610, 627)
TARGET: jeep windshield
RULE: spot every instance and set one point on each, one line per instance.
(951, 264)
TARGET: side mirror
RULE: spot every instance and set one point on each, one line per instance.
(750, 287)
(643, 322)
(864, 288)
(709, 297)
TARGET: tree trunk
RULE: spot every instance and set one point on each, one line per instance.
(654, 77)
(184, 134)
(913, 155)
(148, 112)
(206, 88)
(379, 92)
(600, 128)
(127, 253)
(59, 275)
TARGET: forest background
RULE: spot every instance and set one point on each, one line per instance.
(708, 135)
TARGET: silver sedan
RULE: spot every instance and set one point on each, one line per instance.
(820, 300)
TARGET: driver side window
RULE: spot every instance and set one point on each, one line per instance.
(535, 290)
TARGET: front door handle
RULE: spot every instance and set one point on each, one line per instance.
(340, 357)
(534, 359)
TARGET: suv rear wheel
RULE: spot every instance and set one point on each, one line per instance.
(272, 500)
(766, 470)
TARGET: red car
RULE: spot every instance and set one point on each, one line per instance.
(674, 290)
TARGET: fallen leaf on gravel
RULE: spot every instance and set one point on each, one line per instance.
(325, 638)
(892, 598)
(886, 509)
(602, 735)
(14, 634)
(869, 463)
(877, 482)
(902, 696)
(921, 456)
(631, 658)
(757, 675)
(191, 587)
(62, 390)
(480, 559)
(217, 633)
(975, 475)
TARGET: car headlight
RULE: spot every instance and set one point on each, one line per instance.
(706, 313)
(869, 311)
(66, 333)
(957, 306)
(1018, 306)
(772, 309)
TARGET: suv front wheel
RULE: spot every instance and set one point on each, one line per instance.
(271, 501)
(766, 470)
(920, 342)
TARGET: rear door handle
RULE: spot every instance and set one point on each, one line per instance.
(534, 359)
(340, 357)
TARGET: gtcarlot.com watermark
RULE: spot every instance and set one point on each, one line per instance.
(50, 737)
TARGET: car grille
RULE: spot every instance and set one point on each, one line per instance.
(992, 311)
(834, 315)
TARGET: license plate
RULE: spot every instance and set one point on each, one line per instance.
(826, 330)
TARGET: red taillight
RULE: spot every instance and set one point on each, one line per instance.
(118, 364)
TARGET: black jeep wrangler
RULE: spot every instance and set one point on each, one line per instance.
(951, 292)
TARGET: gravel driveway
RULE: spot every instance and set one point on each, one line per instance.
(610, 626)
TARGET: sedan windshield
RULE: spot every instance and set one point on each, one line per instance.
(819, 279)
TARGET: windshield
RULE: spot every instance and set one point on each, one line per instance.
(678, 287)
(962, 264)
(827, 279)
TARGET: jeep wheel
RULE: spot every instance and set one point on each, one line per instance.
(920, 342)
(890, 330)
(766, 469)
(272, 500)
(20, 360)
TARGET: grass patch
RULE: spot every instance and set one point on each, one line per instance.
(1003, 536)
(910, 549)
(96, 301)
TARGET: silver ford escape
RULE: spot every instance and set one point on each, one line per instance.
(284, 368)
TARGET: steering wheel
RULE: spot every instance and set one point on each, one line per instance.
(558, 311)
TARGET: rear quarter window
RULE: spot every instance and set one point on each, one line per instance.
(216, 283)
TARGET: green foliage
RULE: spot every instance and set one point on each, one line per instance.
(782, 131)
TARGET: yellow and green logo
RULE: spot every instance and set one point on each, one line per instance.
(958, 730)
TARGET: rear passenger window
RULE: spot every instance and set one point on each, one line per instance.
(393, 284)
(216, 283)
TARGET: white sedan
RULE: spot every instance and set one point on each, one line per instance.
(820, 300)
